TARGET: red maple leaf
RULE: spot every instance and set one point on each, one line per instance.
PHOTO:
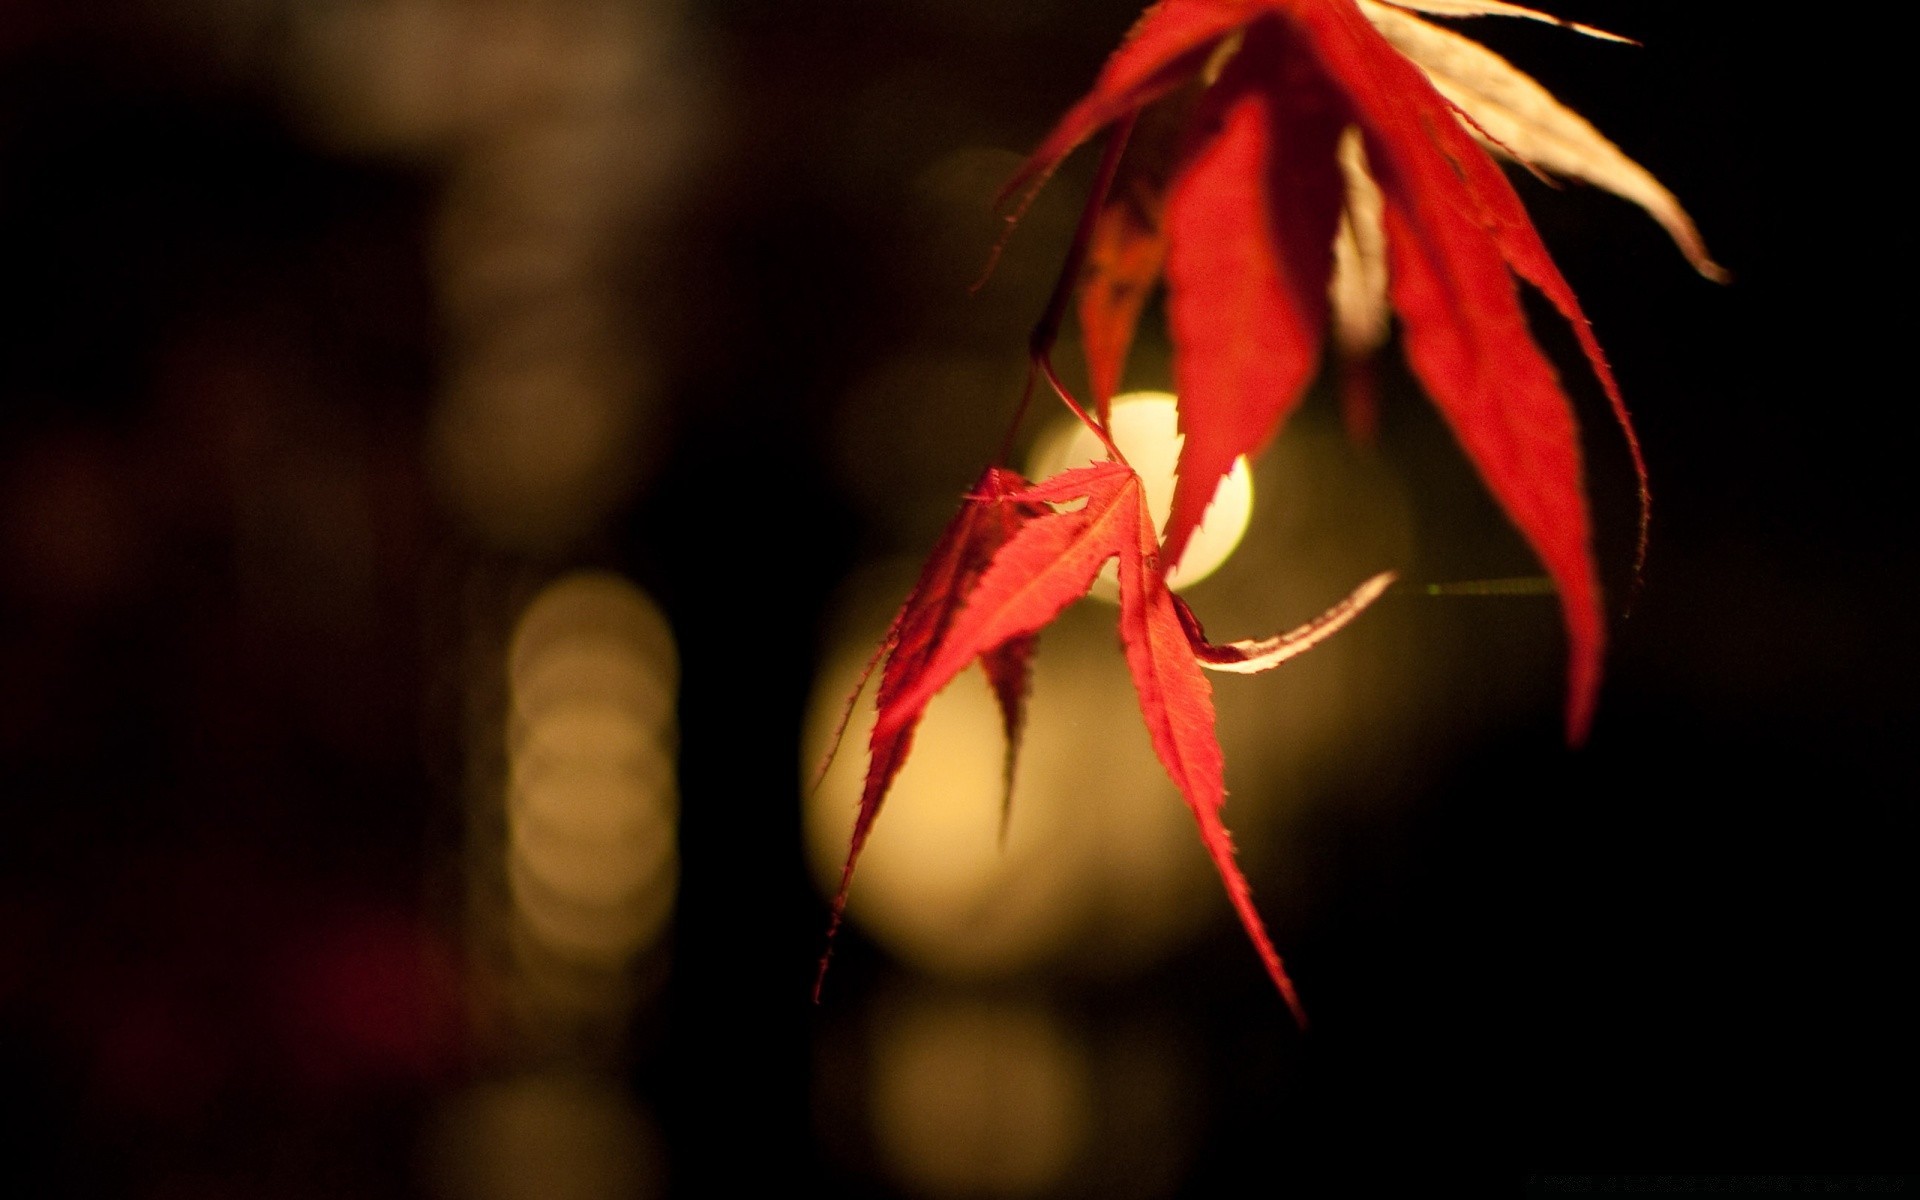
(989, 515)
(1251, 213)
(1305, 125)
(1050, 563)
(1050, 560)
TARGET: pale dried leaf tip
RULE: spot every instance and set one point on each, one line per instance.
(1253, 657)
(1514, 115)
(1494, 8)
(1358, 288)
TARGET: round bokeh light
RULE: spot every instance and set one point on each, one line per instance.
(1145, 426)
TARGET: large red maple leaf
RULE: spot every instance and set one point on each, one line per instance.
(1257, 199)
(1328, 169)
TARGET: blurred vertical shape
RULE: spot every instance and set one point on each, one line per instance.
(575, 859)
(590, 859)
(560, 128)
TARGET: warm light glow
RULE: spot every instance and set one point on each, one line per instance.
(936, 882)
(623, 845)
(591, 931)
(1146, 428)
(552, 130)
(560, 1136)
(532, 447)
(591, 807)
(1100, 866)
(973, 1099)
(593, 636)
(1103, 871)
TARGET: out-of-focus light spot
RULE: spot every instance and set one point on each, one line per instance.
(591, 804)
(556, 992)
(383, 75)
(545, 1137)
(605, 858)
(593, 930)
(588, 669)
(408, 73)
(974, 1099)
(558, 128)
(532, 449)
(587, 644)
(1145, 425)
(562, 175)
(935, 881)
(569, 755)
(1100, 867)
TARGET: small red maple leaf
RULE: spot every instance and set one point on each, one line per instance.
(1042, 561)
(989, 515)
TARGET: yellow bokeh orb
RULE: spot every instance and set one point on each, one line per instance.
(1145, 425)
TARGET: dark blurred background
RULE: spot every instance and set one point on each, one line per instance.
(456, 454)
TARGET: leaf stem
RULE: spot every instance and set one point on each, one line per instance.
(1066, 398)
(1001, 455)
(1047, 331)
